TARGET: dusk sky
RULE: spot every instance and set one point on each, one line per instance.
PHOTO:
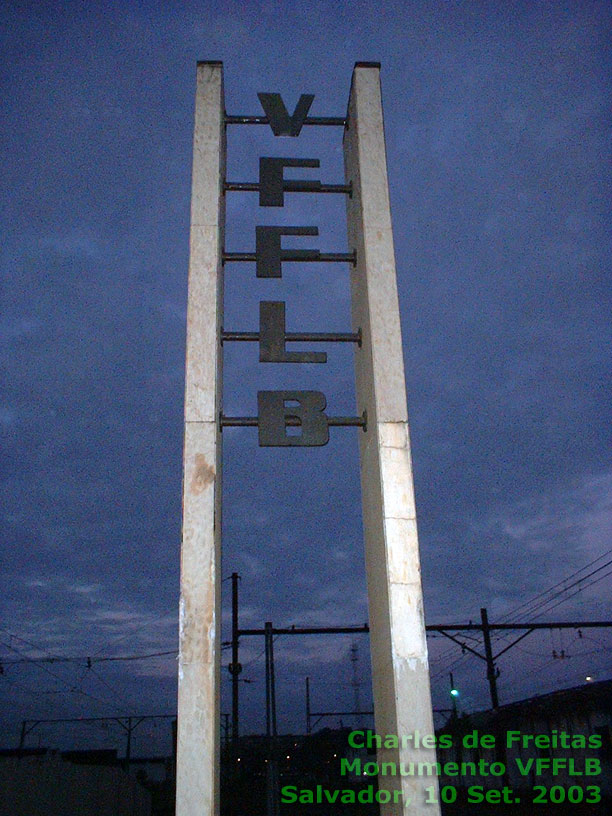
(497, 120)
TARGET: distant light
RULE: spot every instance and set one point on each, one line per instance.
(454, 693)
(288, 757)
(588, 678)
(238, 760)
(335, 755)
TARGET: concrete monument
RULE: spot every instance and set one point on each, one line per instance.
(402, 700)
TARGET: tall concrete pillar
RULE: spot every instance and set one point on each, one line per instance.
(402, 701)
(197, 775)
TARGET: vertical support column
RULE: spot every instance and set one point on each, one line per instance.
(197, 778)
(491, 676)
(402, 701)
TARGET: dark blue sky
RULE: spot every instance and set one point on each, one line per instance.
(498, 138)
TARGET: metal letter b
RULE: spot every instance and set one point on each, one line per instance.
(275, 416)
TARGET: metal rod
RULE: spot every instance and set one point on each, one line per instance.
(253, 422)
(296, 337)
(514, 642)
(322, 257)
(338, 713)
(238, 422)
(312, 630)
(289, 186)
(432, 627)
(359, 422)
(239, 119)
(463, 645)
(472, 627)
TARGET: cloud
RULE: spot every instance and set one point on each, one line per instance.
(497, 135)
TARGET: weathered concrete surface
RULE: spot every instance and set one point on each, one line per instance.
(197, 776)
(402, 701)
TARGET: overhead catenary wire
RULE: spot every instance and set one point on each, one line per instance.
(580, 589)
(71, 689)
(118, 695)
(527, 605)
(86, 660)
(539, 605)
(93, 660)
(578, 581)
(168, 613)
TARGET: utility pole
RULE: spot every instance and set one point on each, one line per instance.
(22, 736)
(320, 714)
(491, 675)
(272, 803)
(235, 667)
(225, 718)
(449, 631)
(270, 682)
(128, 747)
(355, 680)
(453, 692)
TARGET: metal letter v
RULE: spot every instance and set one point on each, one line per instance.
(281, 123)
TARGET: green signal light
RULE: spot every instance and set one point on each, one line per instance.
(454, 693)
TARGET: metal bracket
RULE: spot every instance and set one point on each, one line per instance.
(294, 255)
(289, 186)
(336, 422)
(241, 119)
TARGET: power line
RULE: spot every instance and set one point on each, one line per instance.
(119, 638)
(71, 689)
(545, 607)
(580, 589)
(532, 606)
(120, 697)
(17, 684)
(509, 616)
(89, 660)
(26, 659)
(173, 652)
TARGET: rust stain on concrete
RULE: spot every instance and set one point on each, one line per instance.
(203, 474)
